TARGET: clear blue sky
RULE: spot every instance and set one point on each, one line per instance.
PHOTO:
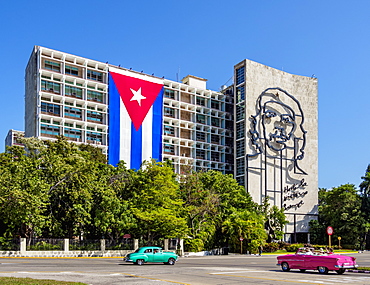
(206, 38)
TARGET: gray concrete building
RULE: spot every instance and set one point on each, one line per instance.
(276, 141)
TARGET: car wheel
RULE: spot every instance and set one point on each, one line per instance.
(340, 271)
(171, 261)
(323, 269)
(140, 261)
(285, 267)
(302, 270)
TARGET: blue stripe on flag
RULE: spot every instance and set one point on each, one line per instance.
(157, 127)
(136, 147)
(114, 123)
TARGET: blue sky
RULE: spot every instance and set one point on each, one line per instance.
(206, 38)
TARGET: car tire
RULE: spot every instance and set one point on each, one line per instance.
(340, 271)
(285, 267)
(323, 269)
(302, 270)
(140, 261)
(171, 261)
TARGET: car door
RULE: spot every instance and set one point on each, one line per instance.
(159, 256)
(297, 262)
(149, 253)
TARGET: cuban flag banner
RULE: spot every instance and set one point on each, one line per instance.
(135, 117)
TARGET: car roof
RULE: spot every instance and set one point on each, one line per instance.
(145, 247)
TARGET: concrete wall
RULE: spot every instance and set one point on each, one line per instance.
(288, 175)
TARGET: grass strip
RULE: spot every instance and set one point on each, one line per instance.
(30, 281)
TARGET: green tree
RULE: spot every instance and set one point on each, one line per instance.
(365, 206)
(214, 202)
(155, 203)
(23, 195)
(340, 208)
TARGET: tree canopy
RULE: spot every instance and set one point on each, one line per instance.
(60, 189)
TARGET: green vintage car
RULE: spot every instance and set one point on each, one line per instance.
(151, 254)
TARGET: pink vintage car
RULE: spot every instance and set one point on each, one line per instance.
(309, 259)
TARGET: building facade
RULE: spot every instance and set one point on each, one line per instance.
(13, 137)
(262, 128)
(276, 141)
(69, 95)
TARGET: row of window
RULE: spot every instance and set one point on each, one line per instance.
(200, 153)
(72, 112)
(50, 130)
(74, 71)
(77, 126)
(72, 91)
(214, 104)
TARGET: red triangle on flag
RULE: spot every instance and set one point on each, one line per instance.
(138, 95)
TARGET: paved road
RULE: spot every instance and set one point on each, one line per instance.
(230, 270)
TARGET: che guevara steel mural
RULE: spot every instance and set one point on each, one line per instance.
(277, 134)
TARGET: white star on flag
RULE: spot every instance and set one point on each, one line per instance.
(137, 96)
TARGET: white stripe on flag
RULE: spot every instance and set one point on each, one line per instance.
(147, 138)
(125, 135)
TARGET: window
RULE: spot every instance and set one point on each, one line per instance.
(169, 131)
(200, 136)
(240, 148)
(215, 104)
(240, 130)
(215, 138)
(201, 119)
(215, 122)
(50, 86)
(240, 115)
(240, 94)
(49, 130)
(240, 78)
(201, 154)
(95, 116)
(201, 101)
(95, 96)
(240, 180)
(51, 65)
(169, 112)
(92, 136)
(73, 91)
(72, 133)
(169, 93)
(215, 156)
(95, 75)
(71, 70)
(49, 108)
(168, 148)
(73, 112)
(240, 168)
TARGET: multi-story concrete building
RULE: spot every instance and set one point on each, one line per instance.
(276, 141)
(68, 95)
(13, 138)
(272, 152)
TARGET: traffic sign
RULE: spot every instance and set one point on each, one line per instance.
(329, 231)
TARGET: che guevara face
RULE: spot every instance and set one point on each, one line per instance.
(278, 121)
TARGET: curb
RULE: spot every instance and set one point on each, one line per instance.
(358, 271)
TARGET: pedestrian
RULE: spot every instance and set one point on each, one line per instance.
(260, 248)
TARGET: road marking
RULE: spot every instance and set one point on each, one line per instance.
(90, 273)
(241, 271)
(317, 282)
(271, 279)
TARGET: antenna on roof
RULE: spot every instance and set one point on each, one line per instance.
(177, 75)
